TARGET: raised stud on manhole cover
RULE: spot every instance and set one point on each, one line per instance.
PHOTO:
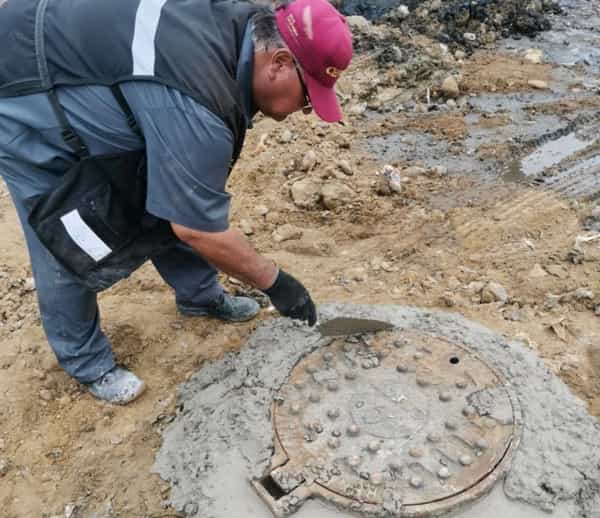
(416, 452)
(481, 444)
(353, 430)
(393, 416)
(377, 479)
(444, 473)
(333, 413)
(465, 460)
(469, 411)
(354, 461)
(314, 397)
(416, 482)
(434, 437)
(333, 443)
(445, 396)
(374, 446)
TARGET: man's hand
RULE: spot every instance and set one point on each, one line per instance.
(292, 299)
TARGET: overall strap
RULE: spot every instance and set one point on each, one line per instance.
(69, 135)
(120, 98)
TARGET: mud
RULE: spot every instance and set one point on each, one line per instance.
(223, 432)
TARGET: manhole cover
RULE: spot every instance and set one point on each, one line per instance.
(401, 422)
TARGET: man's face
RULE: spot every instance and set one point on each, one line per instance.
(278, 85)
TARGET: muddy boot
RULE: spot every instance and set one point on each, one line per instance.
(225, 307)
(118, 386)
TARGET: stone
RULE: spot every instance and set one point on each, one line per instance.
(357, 22)
(4, 466)
(451, 103)
(286, 232)
(46, 395)
(535, 56)
(537, 271)
(336, 194)
(306, 193)
(309, 160)
(469, 36)
(438, 170)
(538, 84)
(402, 12)
(460, 54)
(261, 210)
(70, 510)
(450, 87)
(345, 167)
(246, 227)
(286, 137)
(493, 292)
(29, 284)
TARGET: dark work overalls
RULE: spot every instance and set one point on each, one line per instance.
(60, 42)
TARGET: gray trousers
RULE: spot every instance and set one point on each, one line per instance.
(68, 310)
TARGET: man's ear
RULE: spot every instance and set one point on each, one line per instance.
(282, 58)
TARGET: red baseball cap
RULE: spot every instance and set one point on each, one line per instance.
(321, 41)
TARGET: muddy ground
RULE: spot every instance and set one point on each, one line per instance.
(489, 209)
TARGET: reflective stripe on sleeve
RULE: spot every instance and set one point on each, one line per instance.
(144, 37)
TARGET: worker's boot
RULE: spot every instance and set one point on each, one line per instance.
(118, 386)
(225, 307)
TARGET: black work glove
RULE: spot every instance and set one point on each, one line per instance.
(292, 299)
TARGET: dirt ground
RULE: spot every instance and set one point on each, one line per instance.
(436, 244)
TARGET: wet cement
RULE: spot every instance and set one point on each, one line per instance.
(223, 436)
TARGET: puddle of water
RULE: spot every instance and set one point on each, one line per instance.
(551, 153)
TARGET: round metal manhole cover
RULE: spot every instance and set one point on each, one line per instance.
(399, 421)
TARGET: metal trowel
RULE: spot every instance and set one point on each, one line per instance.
(342, 326)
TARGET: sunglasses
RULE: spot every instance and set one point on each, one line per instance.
(307, 108)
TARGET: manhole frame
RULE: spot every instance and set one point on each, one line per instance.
(292, 500)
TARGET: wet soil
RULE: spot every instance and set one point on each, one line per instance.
(520, 183)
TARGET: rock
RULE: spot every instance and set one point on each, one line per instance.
(538, 84)
(191, 509)
(535, 56)
(402, 12)
(70, 510)
(450, 87)
(451, 103)
(345, 167)
(597, 310)
(286, 137)
(438, 170)
(29, 284)
(336, 194)
(46, 395)
(358, 109)
(4, 466)
(414, 171)
(537, 271)
(469, 36)
(309, 160)
(493, 292)
(435, 5)
(357, 22)
(460, 54)
(558, 271)
(312, 243)
(306, 193)
(261, 210)
(246, 227)
(286, 232)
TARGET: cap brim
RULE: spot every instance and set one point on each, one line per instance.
(323, 100)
